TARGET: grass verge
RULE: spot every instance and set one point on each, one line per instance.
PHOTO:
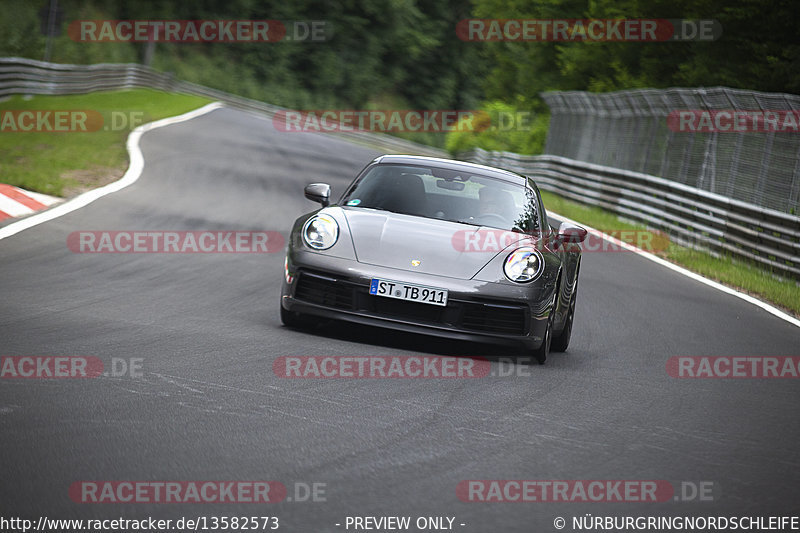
(65, 163)
(735, 273)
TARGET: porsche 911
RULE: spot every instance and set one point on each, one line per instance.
(438, 247)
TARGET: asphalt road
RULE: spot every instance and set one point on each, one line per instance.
(209, 407)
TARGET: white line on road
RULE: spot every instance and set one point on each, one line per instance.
(131, 175)
(688, 273)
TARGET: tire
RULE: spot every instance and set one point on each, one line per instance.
(561, 341)
(540, 354)
(291, 319)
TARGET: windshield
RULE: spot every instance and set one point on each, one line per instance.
(445, 194)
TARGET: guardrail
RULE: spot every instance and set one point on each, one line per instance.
(691, 216)
(28, 76)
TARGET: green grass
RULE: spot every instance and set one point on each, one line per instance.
(741, 275)
(65, 163)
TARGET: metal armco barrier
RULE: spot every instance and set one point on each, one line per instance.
(28, 76)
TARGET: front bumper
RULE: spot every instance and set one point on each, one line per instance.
(495, 313)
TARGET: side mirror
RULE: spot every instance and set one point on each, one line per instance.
(571, 233)
(318, 192)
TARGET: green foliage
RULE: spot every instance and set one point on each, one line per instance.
(501, 127)
(408, 51)
(19, 28)
(405, 47)
(758, 49)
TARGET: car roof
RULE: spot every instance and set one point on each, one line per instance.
(452, 164)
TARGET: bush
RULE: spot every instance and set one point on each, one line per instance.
(501, 127)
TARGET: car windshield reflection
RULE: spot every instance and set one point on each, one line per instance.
(445, 195)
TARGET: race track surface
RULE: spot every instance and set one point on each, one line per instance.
(209, 407)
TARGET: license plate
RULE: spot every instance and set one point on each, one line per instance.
(408, 291)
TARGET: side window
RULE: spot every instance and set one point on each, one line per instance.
(528, 220)
(542, 211)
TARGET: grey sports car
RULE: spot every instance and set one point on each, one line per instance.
(439, 247)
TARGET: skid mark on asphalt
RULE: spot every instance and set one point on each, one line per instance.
(580, 443)
(249, 391)
(200, 396)
(204, 401)
(478, 432)
(663, 431)
(552, 420)
(173, 382)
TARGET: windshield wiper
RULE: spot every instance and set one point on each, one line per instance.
(374, 208)
(466, 222)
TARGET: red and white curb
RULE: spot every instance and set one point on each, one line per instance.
(16, 202)
(131, 175)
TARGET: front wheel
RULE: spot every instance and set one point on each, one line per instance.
(561, 341)
(540, 354)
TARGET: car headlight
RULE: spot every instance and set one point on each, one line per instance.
(320, 232)
(523, 265)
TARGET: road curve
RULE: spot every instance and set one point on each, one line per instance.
(209, 407)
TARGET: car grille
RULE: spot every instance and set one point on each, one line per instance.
(410, 310)
(495, 318)
(489, 317)
(323, 290)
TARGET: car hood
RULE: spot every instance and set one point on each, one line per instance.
(394, 240)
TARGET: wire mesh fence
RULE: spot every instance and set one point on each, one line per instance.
(743, 145)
